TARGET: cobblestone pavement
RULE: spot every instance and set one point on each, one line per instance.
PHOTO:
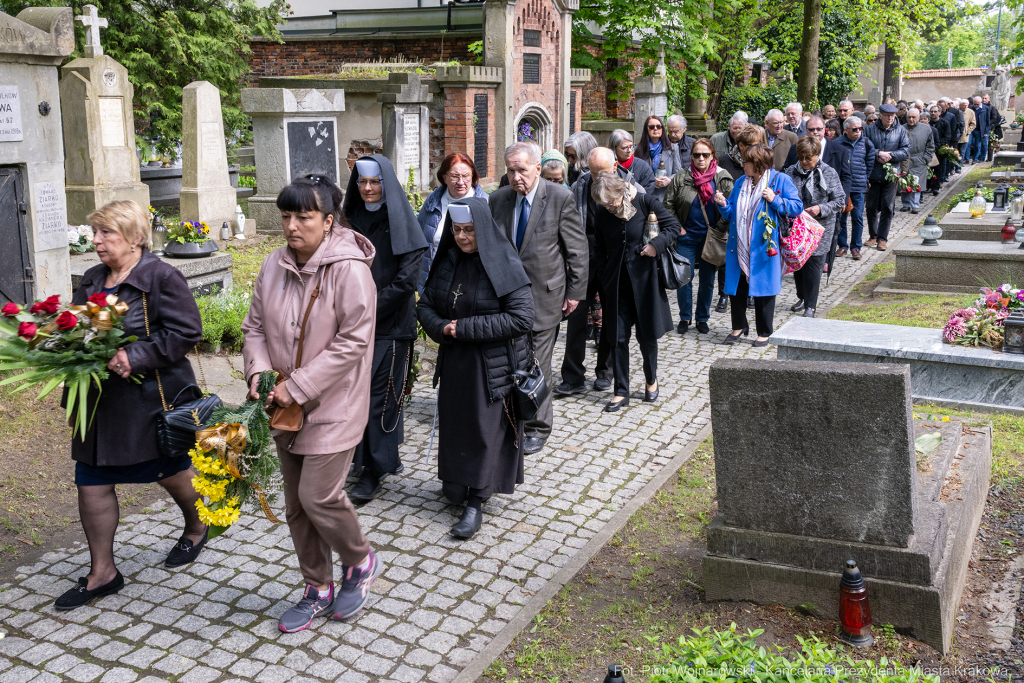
(439, 602)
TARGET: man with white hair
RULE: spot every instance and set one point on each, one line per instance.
(541, 220)
(676, 131)
(725, 140)
(922, 146)
(979, 138)
(780, 140)
(970, 123)
(794, 119)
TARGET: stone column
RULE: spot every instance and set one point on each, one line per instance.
(206, 192)
(295, 133)
(578, 79)
(651, 96)
(33, 212)
(405, 121)
(99, 136)
(469, 106)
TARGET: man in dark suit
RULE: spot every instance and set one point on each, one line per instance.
(542, 222)
(832, 153)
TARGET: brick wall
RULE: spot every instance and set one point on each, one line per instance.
(542, 16)
(362, 148)
(460, 126)
(306, 57)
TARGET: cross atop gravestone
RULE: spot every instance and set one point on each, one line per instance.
(92, 23)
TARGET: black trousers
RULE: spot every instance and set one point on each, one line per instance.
(764, 309)
(881, 203)
(574, 370)
(721, 280)
(808, 280)
(627, 317)
(385, 431)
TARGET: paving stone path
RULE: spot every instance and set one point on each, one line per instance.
(439, 602)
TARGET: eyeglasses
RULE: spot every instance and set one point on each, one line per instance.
(815, 130)
(371, 182)
(626, 147)
(655, 126)
(454, 177)
(702, 155)
(464, 231)
(805, 158)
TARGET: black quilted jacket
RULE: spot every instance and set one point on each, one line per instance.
(497, 323)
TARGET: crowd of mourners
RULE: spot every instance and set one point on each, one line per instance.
(575, 234)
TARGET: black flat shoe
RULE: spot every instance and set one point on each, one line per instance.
(185, 552)
(808, 312)
(80, 595)
(723, 304)
(759, 343)
(566, 389)
(703, 328)
(798, 306)
(683, 326)
(366, 489)
(470, 523)
(601, 384)
(651, 396)
(616, 406)
(733, 338)
(533, 444)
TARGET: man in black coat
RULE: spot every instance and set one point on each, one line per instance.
(953, 131)
(833, 154)
(940, 129)
(541, 220)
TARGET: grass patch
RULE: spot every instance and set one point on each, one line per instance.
(222, 316)
(247, 261)
(865, 305)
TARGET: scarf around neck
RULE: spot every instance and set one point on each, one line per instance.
(814, 177)
(746, 207)
(702, 181)
(655, 148)
(627, 163)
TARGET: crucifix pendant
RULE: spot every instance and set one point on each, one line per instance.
(458, 292)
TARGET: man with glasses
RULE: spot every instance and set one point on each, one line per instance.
(892, 146)
(862, 155)
(833, 154)
(794, 119)
(676, 131)
(780, 140)
(921, 149)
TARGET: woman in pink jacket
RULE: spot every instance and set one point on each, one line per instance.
(322, 275)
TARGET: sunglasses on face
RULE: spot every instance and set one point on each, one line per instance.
(654, 126)
(702, 155)
(815, 130)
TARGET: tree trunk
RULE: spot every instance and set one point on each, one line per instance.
(891, 77)
(807, 68)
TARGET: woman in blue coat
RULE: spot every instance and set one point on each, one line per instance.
(753, 266)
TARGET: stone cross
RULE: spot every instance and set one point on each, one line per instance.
(92, 23)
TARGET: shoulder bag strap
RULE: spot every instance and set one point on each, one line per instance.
(309, 307)
(159, 384)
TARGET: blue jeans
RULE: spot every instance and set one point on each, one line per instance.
(857, 217)
(979, 146)
(964, 147)
(691, 246)
(912, 200)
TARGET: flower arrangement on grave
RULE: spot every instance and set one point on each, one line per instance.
(905, 182)
(189, 231)
(525, 132)
(236, 463)
(57, 344)
(982, 323)
(80, 239)
(950, 153)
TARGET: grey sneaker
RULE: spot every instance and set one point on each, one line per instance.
(311, 605)
(355, 588)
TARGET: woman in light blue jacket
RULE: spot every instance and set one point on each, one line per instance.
(760, 200)
(459, 179)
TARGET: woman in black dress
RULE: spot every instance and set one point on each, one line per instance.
(628, 271)
(477, 306)
(375, 207)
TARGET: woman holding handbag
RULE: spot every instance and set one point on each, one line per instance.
(477, 306)
(689, 199)
(631, 293)
(312, 318)
(120, 446)
(759, 202)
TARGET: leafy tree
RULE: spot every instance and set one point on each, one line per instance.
(167, 44)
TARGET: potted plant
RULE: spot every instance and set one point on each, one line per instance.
(189, 239)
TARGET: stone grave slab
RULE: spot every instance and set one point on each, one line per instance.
(818, 470)
(204, 275)
(959, 226)
(1007, 158)
(940, 373)
(956, 266)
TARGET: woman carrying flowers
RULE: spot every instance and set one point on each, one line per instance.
(760, 201)
(120, 444)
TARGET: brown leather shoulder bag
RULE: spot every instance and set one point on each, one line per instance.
(289, 419)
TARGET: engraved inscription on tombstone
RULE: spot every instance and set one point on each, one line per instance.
(211, 143)
(10, 114)
(51, 216)
(531, 68)
(112, 122)
(531, 38)
(410, 144)
(312, 148)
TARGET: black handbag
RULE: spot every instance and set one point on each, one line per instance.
(177, 425)
(673, 269)
(530, 387)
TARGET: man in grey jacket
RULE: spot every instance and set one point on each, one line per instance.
(541, 220)
(922, 146)
(891, 146)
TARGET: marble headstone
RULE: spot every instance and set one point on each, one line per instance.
(206, 191)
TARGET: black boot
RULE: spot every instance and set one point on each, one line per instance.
(472, 518)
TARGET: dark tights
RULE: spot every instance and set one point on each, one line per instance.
(99, 511)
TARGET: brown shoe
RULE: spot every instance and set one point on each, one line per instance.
(855, 254)
(871, 242)
(882, 245)
(840, 252)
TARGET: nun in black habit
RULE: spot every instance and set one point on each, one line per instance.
(476, 304)
(375, 206)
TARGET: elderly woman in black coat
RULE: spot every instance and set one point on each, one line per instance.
(120, 446)
(477, 306)
(631, 294)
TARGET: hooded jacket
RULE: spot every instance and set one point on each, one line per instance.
(862, 155)
(333, 382)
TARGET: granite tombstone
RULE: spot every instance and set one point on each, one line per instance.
(206, 191)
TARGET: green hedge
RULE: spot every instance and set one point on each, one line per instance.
(222, 316)
(726, 656)
(756, 100)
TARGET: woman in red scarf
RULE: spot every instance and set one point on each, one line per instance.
(690, 197)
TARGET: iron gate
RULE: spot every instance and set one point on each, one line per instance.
(15, 267)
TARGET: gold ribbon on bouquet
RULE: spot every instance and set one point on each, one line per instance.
(229, 441)
(100, 317)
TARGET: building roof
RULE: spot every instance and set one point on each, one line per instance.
(944, 73)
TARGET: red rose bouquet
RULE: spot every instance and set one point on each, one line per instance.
(73, 346)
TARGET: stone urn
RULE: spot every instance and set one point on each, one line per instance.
(190, 249)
